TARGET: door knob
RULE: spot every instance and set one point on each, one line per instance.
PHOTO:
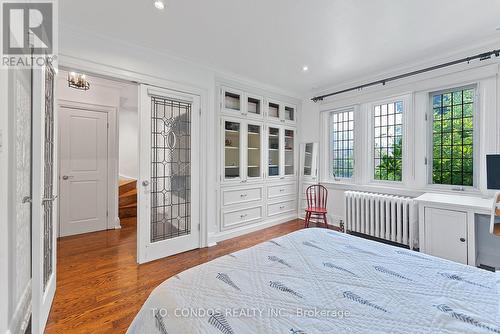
(26, 199)
(66, 177)
(462, 239)
(145, 183)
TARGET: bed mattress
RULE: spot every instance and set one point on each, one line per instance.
(320, 281)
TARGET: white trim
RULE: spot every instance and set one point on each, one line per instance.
(112, 163)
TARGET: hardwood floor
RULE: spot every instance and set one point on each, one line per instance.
(100, 287)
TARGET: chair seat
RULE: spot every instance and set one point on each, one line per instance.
(316, 210)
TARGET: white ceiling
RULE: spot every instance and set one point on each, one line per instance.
(270, 40)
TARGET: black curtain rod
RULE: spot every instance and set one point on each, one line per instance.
(481, 56)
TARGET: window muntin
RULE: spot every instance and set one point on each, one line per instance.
(342, 144)
(453, 137)
(388, 141)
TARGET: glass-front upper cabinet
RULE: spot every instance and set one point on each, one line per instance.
(254, 151)
(274, 111)
(254, 106)
(309, 160)
(232, 149)
(232, 101)
(290, 113)
(274, 156)
(289, 152)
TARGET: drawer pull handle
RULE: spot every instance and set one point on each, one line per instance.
(243, 195)
(282, 190)
(282, 207)
(243, 215)
(462, 239)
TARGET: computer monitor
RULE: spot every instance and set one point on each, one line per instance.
(493, 170)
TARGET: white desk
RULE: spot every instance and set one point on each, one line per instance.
(447, 225)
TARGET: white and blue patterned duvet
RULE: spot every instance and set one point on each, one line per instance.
(320, 281)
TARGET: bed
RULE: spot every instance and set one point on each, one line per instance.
(320, 281)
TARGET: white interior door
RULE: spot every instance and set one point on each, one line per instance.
(45, 187)
(169, 164)
(84, 155)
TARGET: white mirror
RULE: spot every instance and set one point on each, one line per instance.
(309, 160)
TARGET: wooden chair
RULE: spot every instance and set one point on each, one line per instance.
(317, 196)
(495, 216)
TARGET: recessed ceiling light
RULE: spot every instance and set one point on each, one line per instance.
(305, 68)
(159, 4)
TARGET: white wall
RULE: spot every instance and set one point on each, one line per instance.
(485, 74)
(116, 94)
(128, 132)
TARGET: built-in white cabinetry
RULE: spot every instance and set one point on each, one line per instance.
(280, 112)
(236, 102)
(308, 172)
(446, 234)
(281, 152)
(242, 157)
(447, 225)
(258, 181)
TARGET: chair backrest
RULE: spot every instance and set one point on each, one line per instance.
(495, 215)
(317, 196)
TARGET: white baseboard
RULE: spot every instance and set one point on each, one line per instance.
(118, 224)
(223, 235)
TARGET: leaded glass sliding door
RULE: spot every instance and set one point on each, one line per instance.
(44, 202)
(168, 198)
(170, 168)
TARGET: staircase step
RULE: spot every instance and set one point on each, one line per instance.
(128, 198)
(126, 185)
(128, 211)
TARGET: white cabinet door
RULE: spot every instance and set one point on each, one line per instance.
(446, 234)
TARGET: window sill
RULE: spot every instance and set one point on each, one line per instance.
(398, 189)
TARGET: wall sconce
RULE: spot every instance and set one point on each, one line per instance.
(78, 81)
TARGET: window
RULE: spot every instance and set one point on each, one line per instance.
(453, 137)
(388, 141)
(342, 144)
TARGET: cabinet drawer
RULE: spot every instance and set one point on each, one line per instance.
(281, 190)
(236, 196)
(281, 207)
(240, 217)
